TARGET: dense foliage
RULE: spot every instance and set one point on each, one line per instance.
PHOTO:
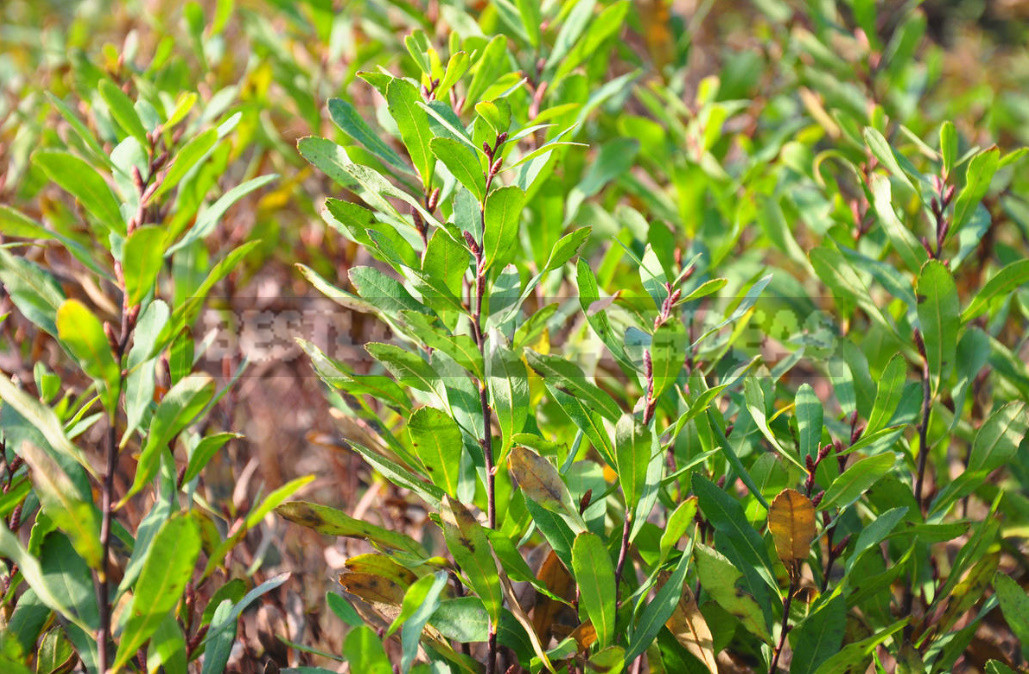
(673, 356)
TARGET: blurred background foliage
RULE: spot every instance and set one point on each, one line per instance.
(725, 95)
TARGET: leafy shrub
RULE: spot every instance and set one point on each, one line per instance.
(746, 469)
(123, 316)
(687, 366)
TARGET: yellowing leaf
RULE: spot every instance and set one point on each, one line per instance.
(689, 628)
(791, 519)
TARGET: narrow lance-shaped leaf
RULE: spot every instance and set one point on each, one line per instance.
(819, 635)
(1007, 279)
(142, 261)
(462, 162)
(938, 316)
(854, 481)
(176, 411)
(509, 385)
(45, 421)
(634, 446)
(659, 610)
(437, 442)
(83, 335)
(668, 353)
(977, 182)
(470, 547)
(998, 439)
(62, 503)
(402, 98)
(888, 394)
(595, 576)
(347, 118)
(86, 185)
(559, 372)
(541, 483)
(122, 110)
(168, 567)
(332, 522)
(809, 420)
(502, 215)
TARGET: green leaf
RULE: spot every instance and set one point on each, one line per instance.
(461, 162)
(62, 503)
(487, 69)
(177, 410)
(142, 259)
(1003, 283)
(185, 159)
(595, 577)
(726, 515)
(856, 656)
(997, 440)
(168, 567)
(532, 20)
(938, 316)
(85, 184)
(571, 29)
(907, 246)
(467, 542)
(123, 111)
(274, 499)
(447, 261)
(819, 636)
(857, 479)
(567, 375)
(502, 215)
(873, 534)
(83, 335)
(607, 23)
(884, 153)
(420, 601)
(363, 650)
(718, 577)
(809, 421)
(668, 354)
(34, 291)
(346, 118)
(679, 522)
(204, 452)
(888, 394)
(635, 444)
(658, 611)
(332, 522)
(508, 383)
(403, 98)
(408, 368)
(978, 176)
(44, 420)
(437, 442)
(755, 399)
(28, 564)
(383, 291)
(948, 145)
(222, 634)
(343, 609)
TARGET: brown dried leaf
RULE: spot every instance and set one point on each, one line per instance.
(791, 519)
(556, 578)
